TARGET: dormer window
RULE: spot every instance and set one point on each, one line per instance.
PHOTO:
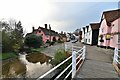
(113, 25)
(39, 31)
(102, 29)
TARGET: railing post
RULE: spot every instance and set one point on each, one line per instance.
(115, 55)
(73, 63)
(84, 51)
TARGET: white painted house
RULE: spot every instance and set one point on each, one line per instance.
(86, 35)
(68, 36)
(92, 34)
(83, 34)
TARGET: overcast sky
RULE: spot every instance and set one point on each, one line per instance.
(63, 15)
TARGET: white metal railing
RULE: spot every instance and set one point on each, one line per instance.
(116, 56)
(78, 53)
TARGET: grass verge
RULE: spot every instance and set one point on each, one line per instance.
(4, 56)
(37, 49)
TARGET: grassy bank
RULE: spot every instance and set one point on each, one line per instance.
(37, 49)
(4, 56)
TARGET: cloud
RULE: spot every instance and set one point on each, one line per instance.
(63, 16)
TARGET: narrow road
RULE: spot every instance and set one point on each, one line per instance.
(50, 51)
(98, 64)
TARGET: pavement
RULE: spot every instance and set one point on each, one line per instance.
(98, 63)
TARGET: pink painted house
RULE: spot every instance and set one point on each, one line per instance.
(47, 34)
(109, 32)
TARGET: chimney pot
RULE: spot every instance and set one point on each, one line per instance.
(45, 26)
(33, 28)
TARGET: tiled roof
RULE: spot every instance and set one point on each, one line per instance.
(95, 25)
(87, 28)
(111, 15)
(84, 30)
(62, 35)
(47, 31)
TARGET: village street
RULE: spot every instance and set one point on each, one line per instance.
(98, 62)
(50, 51)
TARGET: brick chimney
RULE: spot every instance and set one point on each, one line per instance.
(33, 28)
(49, 27)
(45, 26)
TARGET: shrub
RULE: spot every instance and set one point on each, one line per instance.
(60, 41)
(52, 43)
(60, 56)
(48, 41)
(33, 40)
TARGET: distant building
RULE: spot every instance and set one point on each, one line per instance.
(86, 36)
(83, 35)
(68, 36)
(80, 36)
(109, 32)
(63, 37)
(47, 34)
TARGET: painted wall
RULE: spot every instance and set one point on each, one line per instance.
(89, 41)
(44, 37)
(83, 36)
(86, 36)
(114, 38)
(104, 29)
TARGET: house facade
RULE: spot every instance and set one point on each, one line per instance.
(80, 36)
(63, 37)
(68, 37)
(47, 34)
(92, 34)
(109, 29)
(83, 35)
(115, 34)
(86, 35)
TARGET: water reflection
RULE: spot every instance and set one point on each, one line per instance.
(34, 70)
(27, 65)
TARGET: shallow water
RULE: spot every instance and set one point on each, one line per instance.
(28, 65)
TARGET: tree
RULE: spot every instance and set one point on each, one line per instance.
(6, 44)
(33, 40)
(17, 37)
(12, 36)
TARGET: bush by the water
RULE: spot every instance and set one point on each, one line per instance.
(60, 56)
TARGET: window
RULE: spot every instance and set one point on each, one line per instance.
(86, 40)
(113, 25)
(102, 29)
(89, 32)
(89, 40)
(39, 31)
(118, 38)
